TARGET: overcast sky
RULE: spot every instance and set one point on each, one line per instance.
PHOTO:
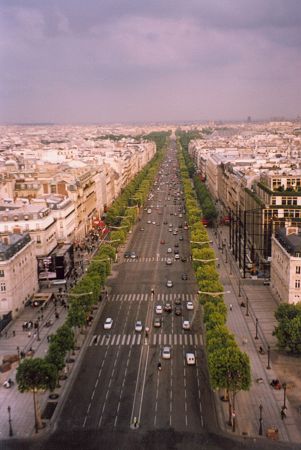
(100, 61)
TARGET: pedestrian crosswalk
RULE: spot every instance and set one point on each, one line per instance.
(158, 297)
(182, 339)
(157, 258)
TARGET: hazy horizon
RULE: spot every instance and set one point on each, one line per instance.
(128, 61)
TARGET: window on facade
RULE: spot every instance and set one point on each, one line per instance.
(273, 200)
(297, 284)
(1, 273)
(298, 269)
(53, 189)
(38, 239)
(2, 286)
(295, 201)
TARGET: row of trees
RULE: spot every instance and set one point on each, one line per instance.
(229, 367)
(39, 374)
(209, 211)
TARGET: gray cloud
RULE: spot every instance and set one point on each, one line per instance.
(68, 60)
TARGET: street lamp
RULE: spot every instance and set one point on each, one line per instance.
(18, 351)
(260, 419)
(284, 396)
(239, 292)
(9, 421)
(247, 308)
(201, 243)
(205, 260)
(214, 294)
(269, 358)
(256, 328)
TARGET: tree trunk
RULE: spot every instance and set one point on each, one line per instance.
(37, 413)
(230, 409)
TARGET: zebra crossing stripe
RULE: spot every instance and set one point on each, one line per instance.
(136, 339)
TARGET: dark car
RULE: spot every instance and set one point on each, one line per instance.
(176, 244)
(184, 276)
(183, 259)
(178, 310)
(127, 254)
(178, 301)
(168, 307)
(181, 238)
(157, 322)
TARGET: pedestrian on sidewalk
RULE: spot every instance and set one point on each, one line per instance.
(283, 413)
(230, 306)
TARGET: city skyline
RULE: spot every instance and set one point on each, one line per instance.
(66, 62)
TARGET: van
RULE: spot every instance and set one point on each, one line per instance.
(190, 359)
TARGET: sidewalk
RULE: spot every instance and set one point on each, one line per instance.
(261, 305)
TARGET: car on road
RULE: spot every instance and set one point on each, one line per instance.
(169, 261)
(159, 309)
(127, 254)
(181, 238)
(178, 301)
(157, 322)
(184, 276)
(176, 244)
(154, 223)
(162, 241)
(178, 310)
(166, 352)
(149, 221)
(189, 306)
(108, 323)
(177, 256)
(133, 255)
(190, 359)
(169, 283)
(169, 250)
(183, 259)
(138, 326)
(186, 325)
(167, 307)
(141, 229)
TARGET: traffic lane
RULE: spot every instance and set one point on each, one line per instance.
(77, 404)
(106, 357)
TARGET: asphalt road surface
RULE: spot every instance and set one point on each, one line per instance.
(119, 399)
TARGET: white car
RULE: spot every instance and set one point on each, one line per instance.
(166, 352)
(190, 359)
(186, 325)
(138, 326)
(177, 256)
(169, 283)
(189, 305)
(108, 323)
(169, 250)
(169, 261)
(159, 309)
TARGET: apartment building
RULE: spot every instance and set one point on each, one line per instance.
(286, 264)
(18, 274)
